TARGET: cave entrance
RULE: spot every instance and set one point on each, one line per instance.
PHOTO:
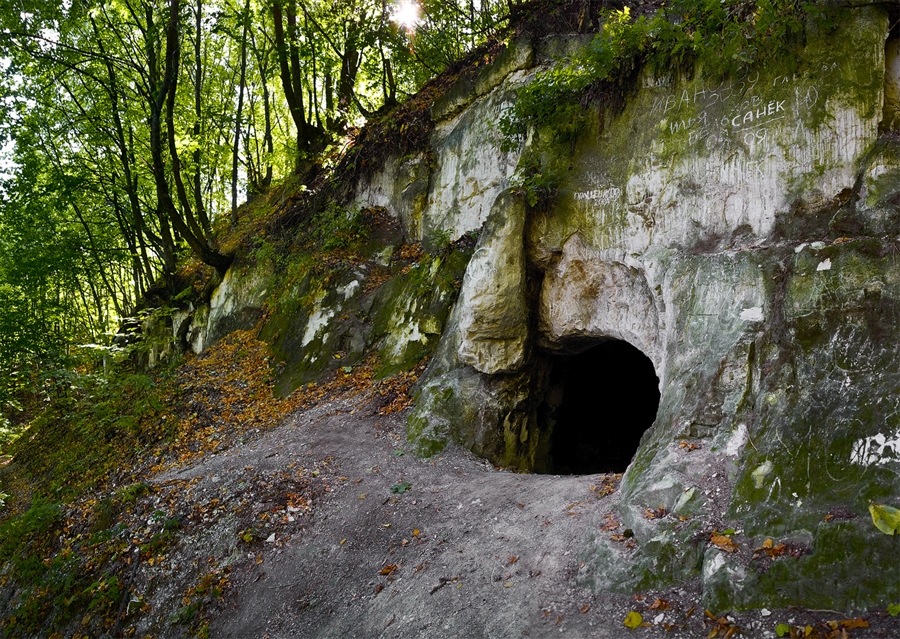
(597, 406)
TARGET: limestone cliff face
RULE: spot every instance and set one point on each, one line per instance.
(742, 234)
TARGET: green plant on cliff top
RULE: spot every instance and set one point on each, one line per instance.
(722, 36)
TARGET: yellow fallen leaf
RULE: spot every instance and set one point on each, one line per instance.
(724, 542)
(885, 518)
(633, 620)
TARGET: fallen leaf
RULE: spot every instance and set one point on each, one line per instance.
(611, 523)
(400, 487)
(416, 532)
(782, 630)
(378, 588)
(723, 542)
(894, 609)
(388, 570)
(885, 518)
(633, 620)
(585, 608)
(850, 624)
(659, 604)
(512, 559)
(659, 513)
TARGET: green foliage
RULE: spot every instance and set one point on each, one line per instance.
(87, 430)
(337, 228)
(400, 487)
(438, 240)
(721, 36)
(32, 525)
(537, 185)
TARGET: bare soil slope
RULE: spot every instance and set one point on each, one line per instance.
(372, 542)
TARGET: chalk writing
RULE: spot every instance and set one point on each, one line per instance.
(704, 96)
(656, 82)
(600, 196)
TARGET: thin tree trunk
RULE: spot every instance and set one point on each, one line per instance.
(198, 115)
(237, 118)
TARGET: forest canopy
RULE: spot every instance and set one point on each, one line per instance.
(136, 127)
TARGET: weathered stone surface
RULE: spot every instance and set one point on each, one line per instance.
(401, 187)
(513, 56)
(741, 234)
(488, 414)
(494, 314)
(584, 295)
(236, 304)
(470, 168)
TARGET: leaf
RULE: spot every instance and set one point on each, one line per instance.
(723, 542)
(894, 609)
(659, 604)
(782, 630)
(401, 487)
(850, 624)
(885, 518)
(633, 620)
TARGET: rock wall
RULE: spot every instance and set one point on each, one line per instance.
(742, 234)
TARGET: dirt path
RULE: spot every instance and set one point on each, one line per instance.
(466, 550)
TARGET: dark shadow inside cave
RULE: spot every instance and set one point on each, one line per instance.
(597, 405)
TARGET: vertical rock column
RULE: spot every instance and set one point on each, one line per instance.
(494, 315)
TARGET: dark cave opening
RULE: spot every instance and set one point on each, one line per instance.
(598, 404)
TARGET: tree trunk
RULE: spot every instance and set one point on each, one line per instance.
(198, 115)
(164, 96)
(237, 117)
